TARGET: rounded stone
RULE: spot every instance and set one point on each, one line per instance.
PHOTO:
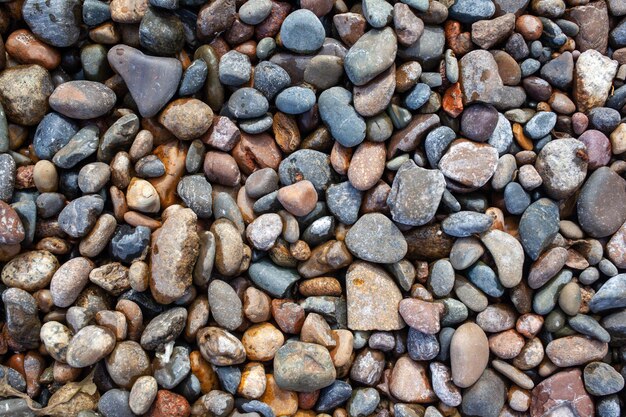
(302, 32)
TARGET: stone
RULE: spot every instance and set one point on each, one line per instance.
(409, 382)
(164, 328)
(421, 315)
(187, 118)
(509, 258)
(226, 307)
(295, 100)
(344, 123)
(152, 81)
(56, 23)
(82, 99)
(468, 163)
(562, 166)
(303, 367)
(369, 247)
(562, 392)
(469, 354)
(610, 294)
(539, 226)
(30, 271)
(174, 252)
(602, 379)
(142, 394)
(421, 188)
(593, 79)
(603, 191)
(79, 216)
(575, 350)
(302, 32)
(247, 103)
(468, 12)
(24, 92)
(487, 33)
(367, 310)
(127, 363)
(486, 397)
(89, 345)
(360, 66)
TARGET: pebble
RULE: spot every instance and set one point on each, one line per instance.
(302, 32)
(602, 379)
(152, 81)
(364, 285)
(487, 396)
(247, 103)
(575, 350)
(335, 110)
(358, 64)
(89, 345)
(142, 394)
(295, 100)
(469, 354)
(410, 184)
(82, 99)
(362, 242)
(313, 361)
(468, 163)
(599, 219)
(187, 118)
(561, 167)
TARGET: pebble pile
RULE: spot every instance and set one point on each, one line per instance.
(313, 208)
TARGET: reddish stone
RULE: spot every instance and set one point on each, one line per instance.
(256, 152)
(288, 315)
(453, 100)
(459, 42)
(11, 228)
(271, 25)
(564, 389)
(168, 404)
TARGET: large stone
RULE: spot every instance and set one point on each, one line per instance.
(612, 294)
(469, 354)
(562, 394)
(56, 22)
(152, 81)
(373, 53)
(593, 79)
(601, 202)
(175, 248)
(562, 166)
(468, 163)
(375, 238)
(373, 298)
(303, 367)
(415, 194)
(593, 23)
(24, 92)
(575, 350)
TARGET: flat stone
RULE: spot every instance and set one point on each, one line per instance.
(89, 345)
(57, 23)
(602, 379)
(469, 163)
(373, 53)
(469, 354)
(415, 194)
(372, 298)
(302, 32)
(152, 81)
(601, 195)
(174, 252)
(303, 367)
(575, 350)
(610, 295)
(409, 382)
(562, 167)
(82, 99)
(486, 397)
(375, 238)
(539, 226)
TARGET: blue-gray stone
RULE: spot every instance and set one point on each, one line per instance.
(13, 378)
(235, 68)
(602, 379)
(604, 119)
(79, 216)
(422, 346)
(516, 199)
(8, 169)
(253, 12)
(161, 32)
(81, 145)
(436, 143)
(27, 211)
(617, 36)
(295, 100)
(229, 376)
(170, 373)
(256, 125)
(275, 280)
(419, 5)
(538, 226)
(114, 403)
(193, 77)
(306, 164)
(53, 133)
(428, 50)
(247, 103)
(16, 407)
(481, 275)
(320, 231)
(267, 204)
(270, 79)
(56, 22)
(540, 125)
(333, 396)
(502, 136)
(546, 298)
(486, 397)
(530, 66)
(455, 311)
(470, 11)
(302, 32)
(195, 191)
(418, 96)
(375, 238)
(372, 54)
(445, 338)
(119, 136)
(50, 204)
(256, 406)
(608, 406)
(344, 202)
(346, 126)
(378, 13)
(552, 35)
(95, 12)
(559, 71)
(363, 402)
(150, 166)
(588, 326)
(129, 243)
(466, 223)
(617, 100)
(611, 295)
